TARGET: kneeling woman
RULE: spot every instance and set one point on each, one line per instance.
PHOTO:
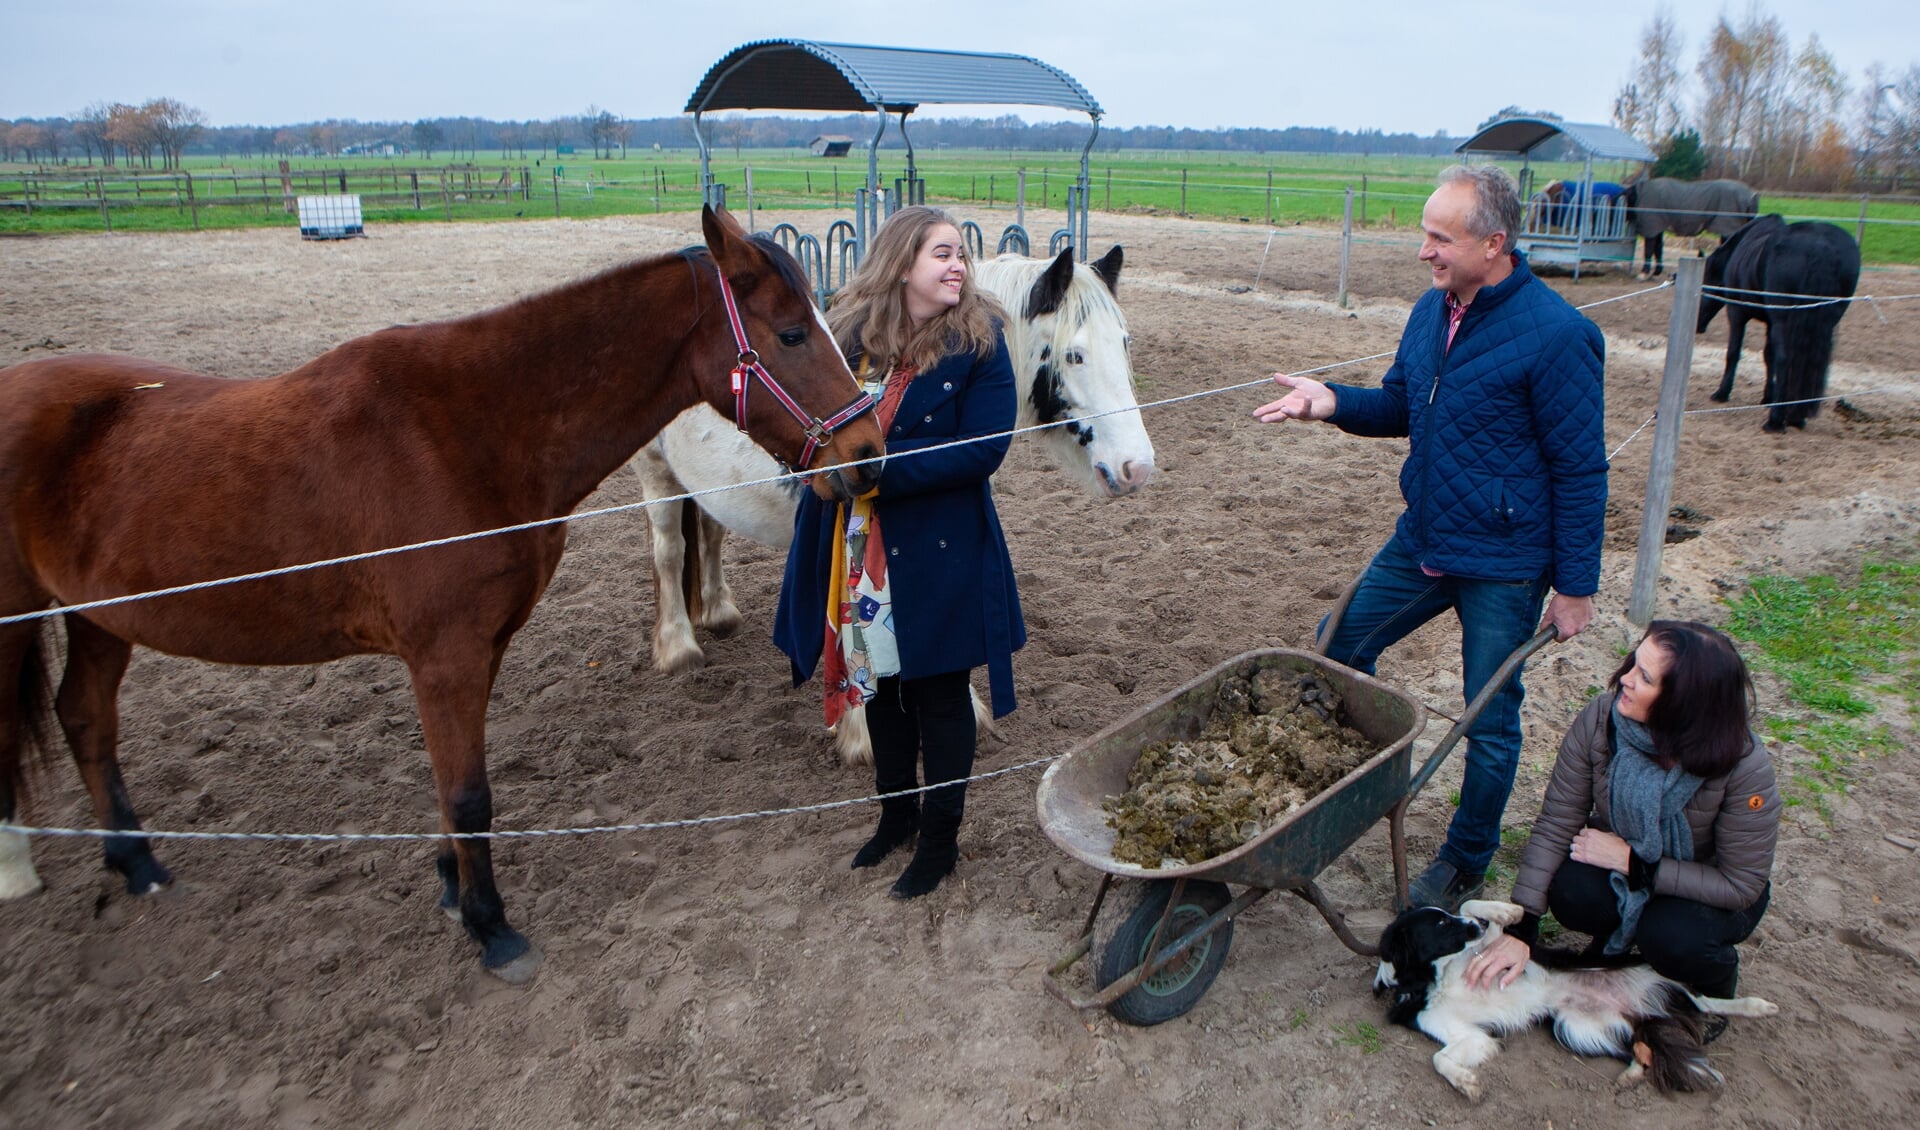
(1659, 824)
(912, 584)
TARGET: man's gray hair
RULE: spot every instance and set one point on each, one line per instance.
(1496, 200)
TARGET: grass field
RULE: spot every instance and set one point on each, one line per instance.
(1264, 188)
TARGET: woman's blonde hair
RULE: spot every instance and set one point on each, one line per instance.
(869, 318)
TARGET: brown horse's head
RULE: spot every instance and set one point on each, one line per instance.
(784, 328)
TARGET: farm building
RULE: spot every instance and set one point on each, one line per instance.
(831, 145)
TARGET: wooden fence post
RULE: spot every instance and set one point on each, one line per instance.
(1666, 437)
(746, 171)
(556, 191)
(193, 202)
(1183, 193)
(1346, 245)
(100, 186)
(1860, 229)
(1269, 197)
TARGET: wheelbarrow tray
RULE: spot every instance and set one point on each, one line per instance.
(1286, 855)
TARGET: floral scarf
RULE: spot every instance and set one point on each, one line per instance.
(860, 645)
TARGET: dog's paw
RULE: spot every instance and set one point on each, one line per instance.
(1635, 1073)
(1464, 1079)
(1759, 1006)
(1490, 910)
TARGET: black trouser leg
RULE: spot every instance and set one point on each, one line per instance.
(1691, 942)
(942, 711)
(896, 752)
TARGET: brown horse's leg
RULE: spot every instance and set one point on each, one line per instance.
(451, 690)
(22, 701)
(89, 710)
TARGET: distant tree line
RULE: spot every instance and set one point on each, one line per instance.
(165, 129)
(1754, 106)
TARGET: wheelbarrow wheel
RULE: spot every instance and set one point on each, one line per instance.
(1179, 986)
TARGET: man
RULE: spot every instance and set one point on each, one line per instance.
(1497, 385)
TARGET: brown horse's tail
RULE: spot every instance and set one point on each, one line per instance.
(33, 717)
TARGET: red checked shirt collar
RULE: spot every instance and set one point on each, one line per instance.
(1456, 311)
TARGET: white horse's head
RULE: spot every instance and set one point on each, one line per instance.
(1069, 340)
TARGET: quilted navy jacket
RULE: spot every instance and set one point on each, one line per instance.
(955, 606)
(1506, 473)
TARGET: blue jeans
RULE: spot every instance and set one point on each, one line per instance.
(1496, 617)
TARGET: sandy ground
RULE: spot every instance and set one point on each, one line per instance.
(739, 974)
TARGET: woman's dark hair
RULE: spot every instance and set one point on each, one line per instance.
(1700, 717)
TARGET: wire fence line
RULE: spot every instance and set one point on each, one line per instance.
(695, 496)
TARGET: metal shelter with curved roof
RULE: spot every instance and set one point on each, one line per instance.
(800, 74)
(1594, 227)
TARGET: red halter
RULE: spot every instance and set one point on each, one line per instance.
(748, 366)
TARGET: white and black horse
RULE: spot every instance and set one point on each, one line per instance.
(1068, 339)
(1786, 270)
(1657, 205)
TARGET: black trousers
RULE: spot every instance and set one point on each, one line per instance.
(1691, 942)
(930, 719)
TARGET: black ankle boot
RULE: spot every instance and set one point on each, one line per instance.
(933, 858)
(899, 819)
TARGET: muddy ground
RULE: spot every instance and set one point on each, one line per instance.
(739, 974)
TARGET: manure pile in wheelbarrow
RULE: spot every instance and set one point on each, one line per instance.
(1272, 743)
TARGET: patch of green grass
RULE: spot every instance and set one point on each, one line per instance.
(1838, 649)
(1298, 1020)
(1358, 1034)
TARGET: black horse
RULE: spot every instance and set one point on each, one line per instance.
(1657, 205)
(1788, 270)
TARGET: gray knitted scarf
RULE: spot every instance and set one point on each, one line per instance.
(1649, 812)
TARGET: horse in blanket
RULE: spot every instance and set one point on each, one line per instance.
(1657, 205)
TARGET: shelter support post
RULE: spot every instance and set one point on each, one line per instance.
(1666, 437)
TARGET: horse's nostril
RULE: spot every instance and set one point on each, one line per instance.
(1135, 473)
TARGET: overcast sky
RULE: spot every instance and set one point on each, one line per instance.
(1399, 67)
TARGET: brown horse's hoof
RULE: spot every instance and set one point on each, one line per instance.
(521, 969)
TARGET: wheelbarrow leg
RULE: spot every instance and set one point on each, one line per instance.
(1397, 837)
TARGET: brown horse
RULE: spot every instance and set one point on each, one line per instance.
(123, 476)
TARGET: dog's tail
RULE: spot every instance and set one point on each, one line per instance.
(1675, 1057)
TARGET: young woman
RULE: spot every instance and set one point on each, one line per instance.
(905, 591)
(1658, 828)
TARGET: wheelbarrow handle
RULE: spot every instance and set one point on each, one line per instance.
(1520, 655)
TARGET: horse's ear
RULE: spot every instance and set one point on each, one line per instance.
(723, 235)
(1051, 287)
(1108, 268)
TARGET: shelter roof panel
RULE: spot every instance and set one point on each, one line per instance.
(799, 74)
(1522, 135)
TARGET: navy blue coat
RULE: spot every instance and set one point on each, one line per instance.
(1506, 471)
(955, 606)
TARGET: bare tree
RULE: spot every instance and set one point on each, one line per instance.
(1815, 93)
(90, 129)
(29, 139)
(552, 134)
(130, 129)
(174, 125)
(1656, 79)
(427, 134)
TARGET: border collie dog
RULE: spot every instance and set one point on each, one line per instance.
(1623, 1009)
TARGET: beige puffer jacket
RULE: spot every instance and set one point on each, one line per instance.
(1735, 820)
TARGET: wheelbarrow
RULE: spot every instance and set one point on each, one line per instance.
(1163, 951)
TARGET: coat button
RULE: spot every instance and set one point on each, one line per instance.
(948, 387)
(896, 429)
(894, 551)
(943, 543)
(929, 419)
